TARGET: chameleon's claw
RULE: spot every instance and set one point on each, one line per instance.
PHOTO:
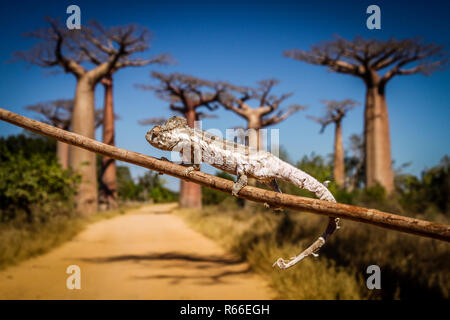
(277, 209)
(188, 171)
(239, 184)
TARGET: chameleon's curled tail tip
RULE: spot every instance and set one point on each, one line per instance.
(281, 263)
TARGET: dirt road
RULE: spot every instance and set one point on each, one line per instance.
(147, 253)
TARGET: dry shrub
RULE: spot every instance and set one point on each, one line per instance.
(411, 266)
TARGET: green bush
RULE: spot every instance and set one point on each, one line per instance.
(149, 186)
(34, 188)
(427, 195)
(28, 144)
(432, 189)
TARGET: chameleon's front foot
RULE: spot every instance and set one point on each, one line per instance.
(190, 169)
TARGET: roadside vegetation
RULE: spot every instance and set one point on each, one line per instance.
(411, 267)
(37, 213)
(37, 210)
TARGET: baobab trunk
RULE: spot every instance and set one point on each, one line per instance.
(62, 153)
(377, 140)
(190, 193)
(84, 162)
(254, 133)
(338, 171)
(254, 141)
(109, 178)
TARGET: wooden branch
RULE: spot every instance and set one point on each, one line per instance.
(369, 216)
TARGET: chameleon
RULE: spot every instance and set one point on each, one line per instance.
(197, 146)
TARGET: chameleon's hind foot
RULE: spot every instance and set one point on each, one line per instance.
(239, 184)
(235, 190)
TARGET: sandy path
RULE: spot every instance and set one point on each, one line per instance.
(145, 254)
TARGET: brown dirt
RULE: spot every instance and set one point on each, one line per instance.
(146, 254)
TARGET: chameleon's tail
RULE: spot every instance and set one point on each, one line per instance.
(307, 182)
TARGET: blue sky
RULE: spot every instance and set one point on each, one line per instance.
(242, 42)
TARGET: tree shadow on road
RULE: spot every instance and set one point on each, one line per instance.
(214, 268)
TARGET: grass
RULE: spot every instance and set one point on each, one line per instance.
(21, 242)
(254, 237)
(411, 267)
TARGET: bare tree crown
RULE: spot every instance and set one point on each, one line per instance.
(184, 92)
(107, 48)
(58, 113)
(334, 112)
(235, 98)
(365, 57)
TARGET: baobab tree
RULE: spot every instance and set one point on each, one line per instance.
(354, 163)
(108, 190)
(58, 113)
(335, 111)
(186, 95)
(367, 59)
(266, 113)
(104, 49)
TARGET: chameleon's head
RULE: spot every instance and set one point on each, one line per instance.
(166, 136)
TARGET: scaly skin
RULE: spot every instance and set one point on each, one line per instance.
(198, 146)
